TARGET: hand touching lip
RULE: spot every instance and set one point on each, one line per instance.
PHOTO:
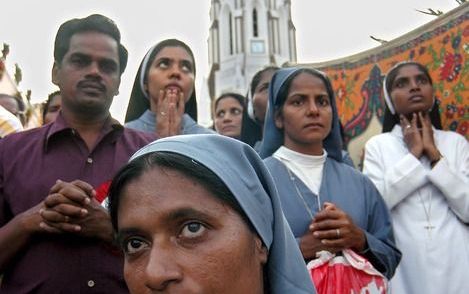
(174, 87)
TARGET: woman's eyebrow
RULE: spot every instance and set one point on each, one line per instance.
(399, 79)
(186, 61)
(186, 212)
(170, 217)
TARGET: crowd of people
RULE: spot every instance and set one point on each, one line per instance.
(163, 204)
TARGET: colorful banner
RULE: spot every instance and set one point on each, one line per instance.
(441, 45)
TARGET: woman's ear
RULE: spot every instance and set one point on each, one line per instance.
(278, 119)
(261, 251)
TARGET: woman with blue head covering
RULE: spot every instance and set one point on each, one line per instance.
(163, 95)
(328, 204)
(200, 214)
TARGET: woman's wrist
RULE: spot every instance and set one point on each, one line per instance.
(435, 159)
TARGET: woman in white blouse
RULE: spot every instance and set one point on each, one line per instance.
(422, 173)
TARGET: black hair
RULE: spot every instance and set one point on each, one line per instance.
(92, 23)
(240, 98)
(389, 119)
(46, 104)
(256, 79)
(138, 102)
(183, 164)
(251, 129)
(283, 91)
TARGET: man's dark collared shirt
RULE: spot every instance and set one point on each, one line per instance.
(30, 164)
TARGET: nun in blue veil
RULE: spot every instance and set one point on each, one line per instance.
(328, 204)
(227, 235)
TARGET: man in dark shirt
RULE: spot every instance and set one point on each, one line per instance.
(55, 237)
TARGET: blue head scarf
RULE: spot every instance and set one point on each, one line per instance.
(273, 136)
(246, 176)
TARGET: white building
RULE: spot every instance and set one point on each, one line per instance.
(245, 36)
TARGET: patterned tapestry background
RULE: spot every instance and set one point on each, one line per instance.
(442, 46)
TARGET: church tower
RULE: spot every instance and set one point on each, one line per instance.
(245, 36)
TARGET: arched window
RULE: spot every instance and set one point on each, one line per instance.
(255, 30)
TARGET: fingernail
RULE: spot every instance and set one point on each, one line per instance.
(42, 225)
(77, 228)
(316, 234)
(323, 241)
(87, 200)
(84, 211)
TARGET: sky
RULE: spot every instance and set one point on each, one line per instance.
(325, 30)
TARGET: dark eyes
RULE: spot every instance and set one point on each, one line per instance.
(297, 102)
(185, 66)
(262, 88)
(106, 66)
(321, 100)
(133, 245)
(193, 230)
(80, 61)
(221, 114)
(236, 111)
(189, 233)
(232, 111)
(422, 80)
(163, 63)
(404, 82)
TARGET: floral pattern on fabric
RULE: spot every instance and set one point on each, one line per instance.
(443, 48)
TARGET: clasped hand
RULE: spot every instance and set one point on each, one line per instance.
(332, 230)
(72, 207)
(419, 141)
(169, 109)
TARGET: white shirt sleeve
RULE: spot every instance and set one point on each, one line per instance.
(397, 181)
(453, 179)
